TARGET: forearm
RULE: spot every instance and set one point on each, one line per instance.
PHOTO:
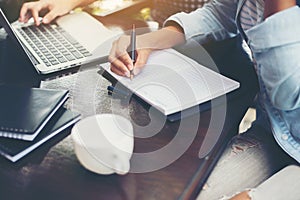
(166, 37)
(83, 2)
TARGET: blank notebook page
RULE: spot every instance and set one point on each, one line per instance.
(172, 82)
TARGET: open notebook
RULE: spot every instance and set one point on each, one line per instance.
(172, 82)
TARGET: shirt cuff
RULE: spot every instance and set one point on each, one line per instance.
(184, 20)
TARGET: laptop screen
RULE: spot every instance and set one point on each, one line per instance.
(15, 65)
(11, 8)
(11, 33)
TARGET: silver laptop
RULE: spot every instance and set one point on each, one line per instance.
(73, 40)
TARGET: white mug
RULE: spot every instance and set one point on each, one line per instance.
(104, 143)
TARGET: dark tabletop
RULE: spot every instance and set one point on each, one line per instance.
(53, 172)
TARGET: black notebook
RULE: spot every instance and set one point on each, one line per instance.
(16, 149)
(25, 111)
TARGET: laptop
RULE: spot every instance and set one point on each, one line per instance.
(70, 41)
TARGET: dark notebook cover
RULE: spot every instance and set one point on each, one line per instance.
(25, 111)
(16, 149)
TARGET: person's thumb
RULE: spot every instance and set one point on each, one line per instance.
(50, 16)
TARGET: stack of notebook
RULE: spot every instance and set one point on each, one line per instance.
(29, 117)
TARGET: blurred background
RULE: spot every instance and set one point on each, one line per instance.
(11, 8)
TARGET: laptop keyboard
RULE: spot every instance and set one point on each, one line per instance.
(53, 44)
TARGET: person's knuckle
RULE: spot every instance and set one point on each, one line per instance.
(111, 58)
(119, 53)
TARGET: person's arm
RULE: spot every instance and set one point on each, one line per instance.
(166, 37)
(53, 8)
(214, 21)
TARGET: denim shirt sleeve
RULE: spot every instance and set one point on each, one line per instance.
(275, 44)
(214, 21)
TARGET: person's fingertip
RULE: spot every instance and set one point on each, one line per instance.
(127, 74)
(22, 18)
(130, 66)
(49, 17)
(36, 21)
(45, 20)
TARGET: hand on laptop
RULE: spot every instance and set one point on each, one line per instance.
(51, 9)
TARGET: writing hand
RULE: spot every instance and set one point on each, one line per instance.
(274, 6)
(121, 63)
(164, 38)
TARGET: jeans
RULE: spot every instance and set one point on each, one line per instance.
(249, 159)
(283, 185)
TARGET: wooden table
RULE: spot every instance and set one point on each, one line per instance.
(53, 172)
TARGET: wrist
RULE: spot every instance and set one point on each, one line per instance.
(86, 2)
(164, 38)
(81, 3)
(274, 6)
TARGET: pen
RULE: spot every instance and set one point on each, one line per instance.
(132, 49)
(117, 91)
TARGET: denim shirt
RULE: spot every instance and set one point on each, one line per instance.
(275, 45)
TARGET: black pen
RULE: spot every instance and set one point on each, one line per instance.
(132, 49)
(117, 92)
